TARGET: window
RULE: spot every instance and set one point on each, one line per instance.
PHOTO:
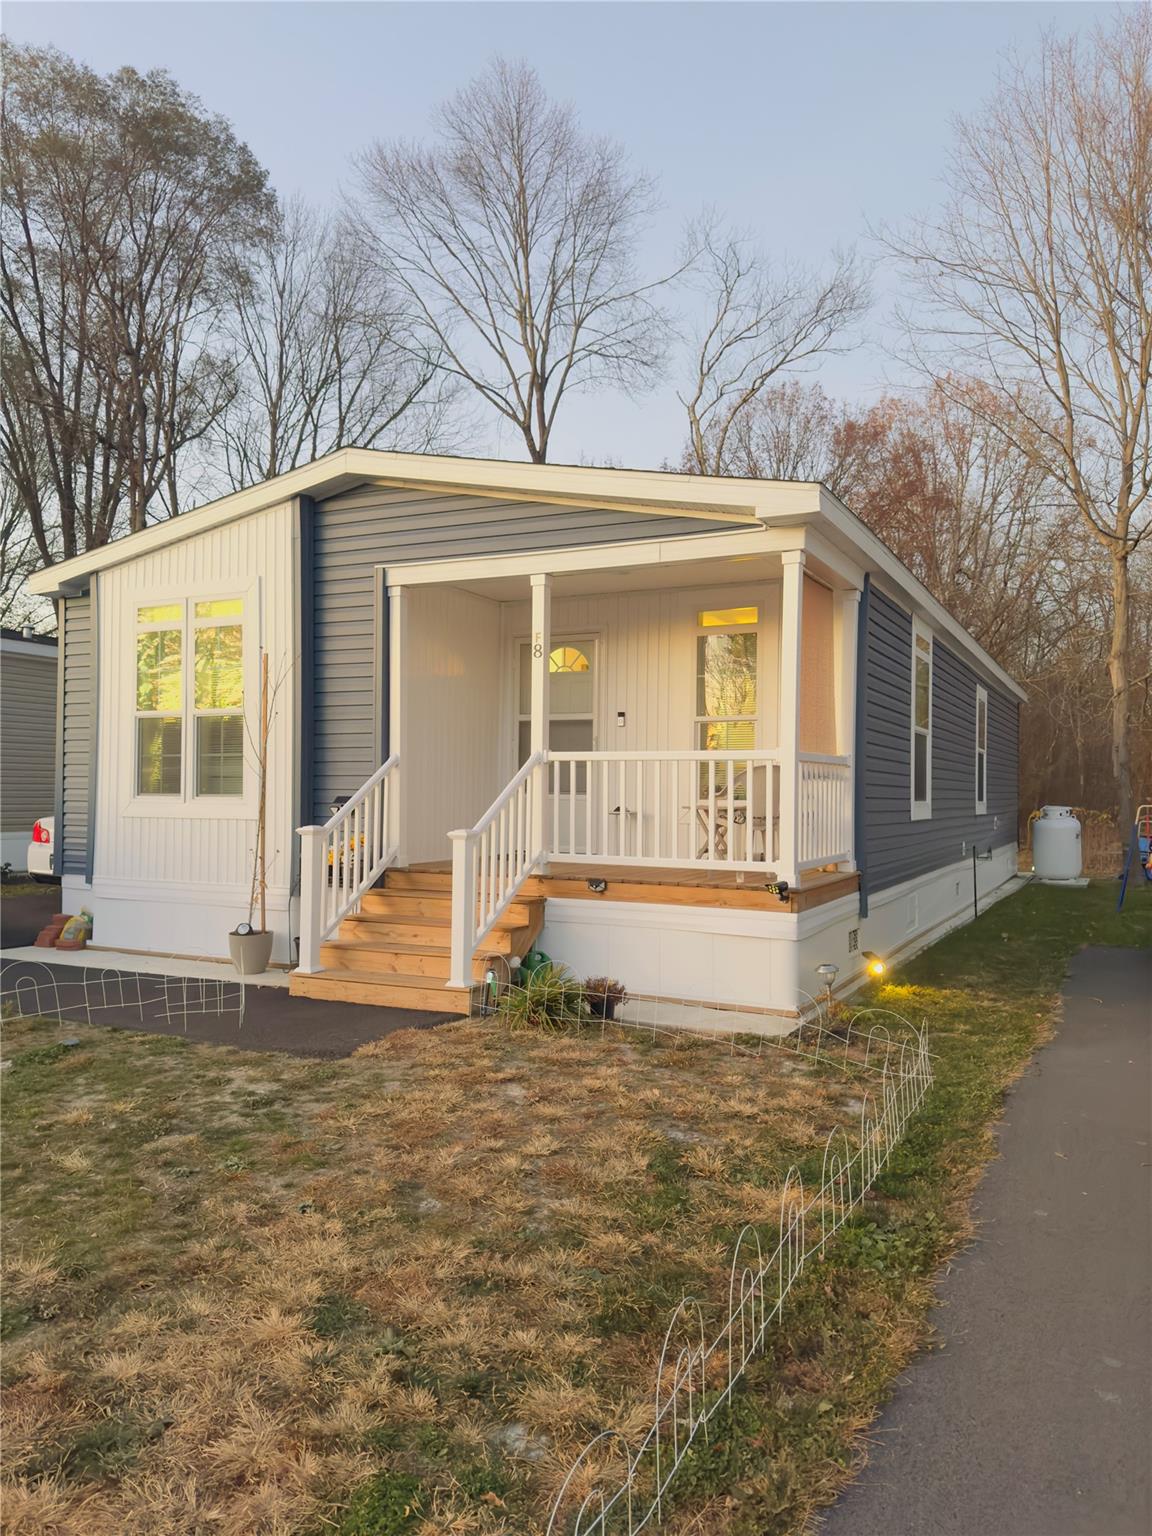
(723, 618)
(981, 750)
(726, 688)
(921, 722)
(568, 658)
(190, 698)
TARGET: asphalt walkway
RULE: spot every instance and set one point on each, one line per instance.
(272, 1021)
(1035, 1419)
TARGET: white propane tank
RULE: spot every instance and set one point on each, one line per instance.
(1056, 852)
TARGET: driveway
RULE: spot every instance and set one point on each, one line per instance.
(1032, 1418)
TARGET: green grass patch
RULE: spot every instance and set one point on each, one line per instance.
(398, 1292)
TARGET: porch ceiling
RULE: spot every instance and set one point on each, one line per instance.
(731, 570)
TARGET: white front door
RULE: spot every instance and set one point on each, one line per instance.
(572, 686)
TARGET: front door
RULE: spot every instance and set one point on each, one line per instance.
(571, 727)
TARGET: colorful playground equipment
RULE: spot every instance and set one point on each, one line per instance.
(1139, 849)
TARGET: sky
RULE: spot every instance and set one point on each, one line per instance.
(804, 123)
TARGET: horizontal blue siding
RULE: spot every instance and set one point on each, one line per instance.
(896, 848)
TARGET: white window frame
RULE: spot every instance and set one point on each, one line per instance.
(702, 631)
(921, 810)
(981, 764)
(188, 803)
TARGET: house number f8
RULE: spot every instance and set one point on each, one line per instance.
(537, 647)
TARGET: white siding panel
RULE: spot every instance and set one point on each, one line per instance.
(253, 555)
(450, 763)
(647, 662)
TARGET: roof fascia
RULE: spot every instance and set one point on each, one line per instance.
(899, 582)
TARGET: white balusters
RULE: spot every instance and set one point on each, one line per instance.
(344, 858)
(825, 810)
(491, 861)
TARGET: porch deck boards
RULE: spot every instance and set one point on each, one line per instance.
(681, 887)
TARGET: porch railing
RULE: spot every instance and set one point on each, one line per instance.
(824, 811)
(345, 857)
(713, 810)
(491, 861)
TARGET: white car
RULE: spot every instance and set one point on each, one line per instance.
(42, 848)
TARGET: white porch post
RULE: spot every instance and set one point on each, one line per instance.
(791, 618)
(846, 630)
(398, 718)
(541, 678)
(463, 908)
(312, 880)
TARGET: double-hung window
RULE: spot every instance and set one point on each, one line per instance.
(726, 687)
(981, 750)
(921, 722)
(190, 698)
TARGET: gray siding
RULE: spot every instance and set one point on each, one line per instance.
(27, 738)
(359, 530)
(76, 746)
(894, 847)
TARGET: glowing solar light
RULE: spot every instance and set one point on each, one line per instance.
(876, 966)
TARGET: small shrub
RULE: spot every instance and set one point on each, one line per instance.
(549, 1000)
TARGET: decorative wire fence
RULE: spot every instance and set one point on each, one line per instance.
(29, 990)
(618, 1486)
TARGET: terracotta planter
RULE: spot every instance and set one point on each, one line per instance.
(250, 952)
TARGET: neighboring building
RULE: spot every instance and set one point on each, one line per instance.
(28, 668)
(685, 687)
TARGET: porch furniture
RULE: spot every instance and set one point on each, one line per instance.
(718, 833)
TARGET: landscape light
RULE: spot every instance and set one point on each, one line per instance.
(828, 974)
(876, 966)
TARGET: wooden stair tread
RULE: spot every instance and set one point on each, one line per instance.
(392, 946)
(412, 934)
(424, 994)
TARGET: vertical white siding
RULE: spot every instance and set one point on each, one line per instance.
(647, 662)
(450, 758)
(252, 555)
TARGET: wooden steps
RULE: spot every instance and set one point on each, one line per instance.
(396, 951)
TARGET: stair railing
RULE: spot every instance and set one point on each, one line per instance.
(491, 861)
(345, 857)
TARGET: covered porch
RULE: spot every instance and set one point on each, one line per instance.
(682, 714)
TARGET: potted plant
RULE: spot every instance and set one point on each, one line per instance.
(603, 995)
(251, 946)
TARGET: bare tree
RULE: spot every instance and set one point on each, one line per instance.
(125, 205)
(786, 433)
(19, 558)
(514, 237)
(759, 318)
(325, 355)
(1037, 273)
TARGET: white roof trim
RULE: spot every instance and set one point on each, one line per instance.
(653, 492)
(658, 494)
(732, 542)
(909, 589)
(30, 648)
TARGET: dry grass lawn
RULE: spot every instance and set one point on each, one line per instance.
(250, 1294)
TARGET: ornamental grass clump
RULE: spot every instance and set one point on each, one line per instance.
(549, 1000)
